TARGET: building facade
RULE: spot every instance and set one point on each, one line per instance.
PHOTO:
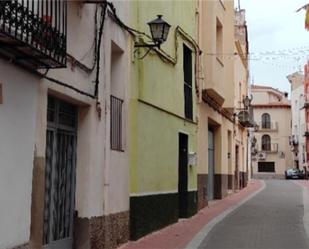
(305, 127)
(58, 91)
(272, 113)
(297, 139)
(222, 140)
(106, 138)
(163, 120)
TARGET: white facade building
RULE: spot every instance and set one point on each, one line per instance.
(63, 143)
(272, 113)
(297, 139)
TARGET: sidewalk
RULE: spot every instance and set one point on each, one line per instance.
(178, 235)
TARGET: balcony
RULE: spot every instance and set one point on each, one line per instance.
(305, 130)
(267, 126)
(268, 148)
(245, 118)
(293, 140)
(304, 101)
(33, 33)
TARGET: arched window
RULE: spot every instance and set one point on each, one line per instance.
(266, 143)
(266, 121)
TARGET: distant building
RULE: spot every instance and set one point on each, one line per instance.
(272, 114)
(297, 138)
(305, 127)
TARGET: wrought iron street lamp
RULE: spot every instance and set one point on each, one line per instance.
(247, 101)
(159, 31)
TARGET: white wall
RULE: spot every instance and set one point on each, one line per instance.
(17, 138)
(298, 120)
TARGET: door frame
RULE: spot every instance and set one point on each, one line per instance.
(65, 130)
(211, 173)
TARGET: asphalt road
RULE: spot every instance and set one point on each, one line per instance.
(273, 219)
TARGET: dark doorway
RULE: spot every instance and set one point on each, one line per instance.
(183, 175)
(266, 167)
(211, 164)
(237, 167)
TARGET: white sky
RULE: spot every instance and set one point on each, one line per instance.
(278, 41)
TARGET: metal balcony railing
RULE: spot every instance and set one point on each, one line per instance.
(305, 130)
(268, 147)
(293, 140)
(304, 101)
(269, 126)
(33, 33)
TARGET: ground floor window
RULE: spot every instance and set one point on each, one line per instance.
(266, 166)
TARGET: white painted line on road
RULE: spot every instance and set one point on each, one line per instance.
(202, 234)
(306, 207)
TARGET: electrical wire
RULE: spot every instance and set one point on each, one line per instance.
(97, 81)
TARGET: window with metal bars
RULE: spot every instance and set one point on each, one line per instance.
(187, 72)
(116, 124)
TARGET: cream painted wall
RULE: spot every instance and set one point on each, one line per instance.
(219, 67)
(17, 132)
(281, 137)
(207, 116)
(102, 174)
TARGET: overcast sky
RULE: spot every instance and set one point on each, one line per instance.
(279, 43)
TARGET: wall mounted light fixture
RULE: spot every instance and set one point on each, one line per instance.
(159, 31)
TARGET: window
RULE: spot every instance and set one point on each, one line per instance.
(266, 143)
(266, 124)
(187, 71)
(116, 124)
(266, 166)
(219, 41)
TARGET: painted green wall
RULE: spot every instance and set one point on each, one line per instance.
(153, 133)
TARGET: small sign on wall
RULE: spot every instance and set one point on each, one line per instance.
(1, 94)
(192, 158)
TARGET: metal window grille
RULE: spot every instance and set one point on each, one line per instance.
(266, 123)
(116, 124)
(266, 143)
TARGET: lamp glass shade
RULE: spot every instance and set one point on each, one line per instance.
(165, 32)
(159, 29)
(247, 101)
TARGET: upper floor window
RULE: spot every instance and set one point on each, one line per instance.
(266, 143)
(219, 41)
(266, 121)
(187, 74)
(116, 123)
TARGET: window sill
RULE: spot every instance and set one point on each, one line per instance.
(118, 150)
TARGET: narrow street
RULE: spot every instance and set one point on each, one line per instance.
(271, 219)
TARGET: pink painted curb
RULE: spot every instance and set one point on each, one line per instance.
(178, 235)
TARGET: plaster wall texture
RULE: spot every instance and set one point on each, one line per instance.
(156, 104)
(17, 131)
(223, 74)
(220, 68)
(208, 116)
(101, 187)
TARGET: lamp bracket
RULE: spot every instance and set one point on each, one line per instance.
(147, 45)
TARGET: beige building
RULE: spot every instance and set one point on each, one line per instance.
(272, 113)
(222, 141)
